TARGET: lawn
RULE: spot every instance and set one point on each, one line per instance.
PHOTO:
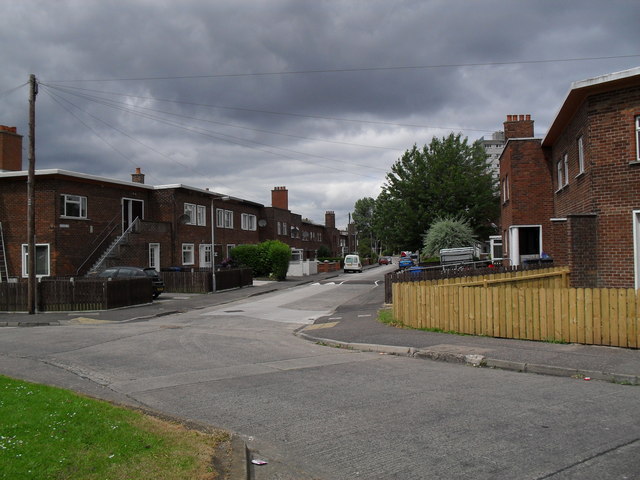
(50, 433)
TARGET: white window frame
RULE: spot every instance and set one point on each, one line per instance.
(201, 215)
(580, 155)
(190, 211)
(220, 217)
(25, 259)
(74, 200)
(188, 254)
(248, 221)
(228, 219)
(230, 246)
(565, 163)
(559, 170)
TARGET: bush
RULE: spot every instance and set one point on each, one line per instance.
(323, 252)
(447, 232)
(270, 258)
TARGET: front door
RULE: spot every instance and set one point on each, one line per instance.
(525, 243)
(205, 255)
(636, 247)
(154, 256)
(131, 209)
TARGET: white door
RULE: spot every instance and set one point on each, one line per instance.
(205, 255)
(154, 256)
(636, 247)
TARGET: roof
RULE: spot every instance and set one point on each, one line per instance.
(96, 178)
(580, 90)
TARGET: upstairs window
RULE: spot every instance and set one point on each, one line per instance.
(73, 206)
(559, 170)
(248, 221)
(201, 215)
(565, 163)
(190, 212)
(224, 218)
(580, 155)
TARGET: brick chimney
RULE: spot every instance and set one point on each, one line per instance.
(10, 149)
(330, 219)
(280, 198)
(518, 126)
(137, 177)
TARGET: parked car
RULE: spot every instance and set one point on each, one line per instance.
(131, 272)
(405, 262)
(385, 261)
(352, 264)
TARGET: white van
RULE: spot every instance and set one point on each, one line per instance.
(352, 264)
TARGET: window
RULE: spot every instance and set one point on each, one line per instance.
(224, 218)
(248, 221)
(580, 155)
(638, 139)
(228, 219)
(42, 260)
(279, 228)
(201, 215)
(73, 206)
(187, 254)
(190, 212)
(505, 189)
(565, 162)
(559, 170)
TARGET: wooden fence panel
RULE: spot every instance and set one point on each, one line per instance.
(586, 316)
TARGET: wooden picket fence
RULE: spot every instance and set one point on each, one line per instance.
(535, 306)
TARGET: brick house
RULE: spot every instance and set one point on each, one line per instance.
(575, 194)
(80, 218)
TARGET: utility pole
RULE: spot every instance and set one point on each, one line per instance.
(31, 198)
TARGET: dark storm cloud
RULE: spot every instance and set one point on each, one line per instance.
(249, 123)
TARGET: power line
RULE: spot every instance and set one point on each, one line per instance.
(274, 112)
(349, 70)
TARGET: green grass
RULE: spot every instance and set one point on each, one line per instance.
(386, 316)
(50, 433)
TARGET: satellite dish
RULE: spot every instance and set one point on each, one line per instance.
(262, 223)
(184, 218)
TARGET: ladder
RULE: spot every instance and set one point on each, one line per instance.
(4, 271)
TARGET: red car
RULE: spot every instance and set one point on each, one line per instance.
(384, 261)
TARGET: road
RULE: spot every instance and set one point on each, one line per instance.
(328, 413)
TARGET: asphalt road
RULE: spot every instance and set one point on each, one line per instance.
(313, 411)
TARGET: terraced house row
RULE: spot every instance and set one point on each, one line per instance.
(85, 223)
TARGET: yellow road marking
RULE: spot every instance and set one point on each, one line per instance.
(321, 325)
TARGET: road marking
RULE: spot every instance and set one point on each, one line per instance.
(362, 316)
(321, 325)
(335, 318)
(88, 321)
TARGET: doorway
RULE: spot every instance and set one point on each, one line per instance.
(131, 209)
(525, 243)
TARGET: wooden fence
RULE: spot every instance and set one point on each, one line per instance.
(56, 295)
(201, 281)
(535, 306)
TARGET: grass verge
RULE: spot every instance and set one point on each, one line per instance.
(47, 432)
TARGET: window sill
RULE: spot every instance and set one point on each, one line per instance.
(581, 174)
(635, 162)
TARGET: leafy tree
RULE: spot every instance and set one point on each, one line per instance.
(447, 177)
(447, 232)
(363, 221)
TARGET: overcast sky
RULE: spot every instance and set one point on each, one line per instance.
(322, 97)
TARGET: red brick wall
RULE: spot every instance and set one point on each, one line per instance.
(610, 186)
(530, 199)
(10, 149)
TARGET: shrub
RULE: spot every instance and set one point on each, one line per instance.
(270, 258)
(447, 232)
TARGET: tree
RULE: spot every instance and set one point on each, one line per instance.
(447, 232)
(448, 177)
(363, 221)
